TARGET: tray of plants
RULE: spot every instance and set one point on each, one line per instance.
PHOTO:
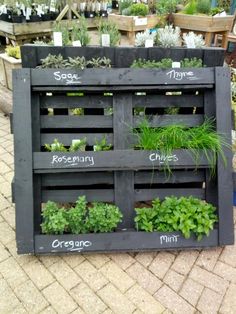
(122, 159)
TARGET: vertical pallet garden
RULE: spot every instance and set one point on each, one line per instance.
(123, 175)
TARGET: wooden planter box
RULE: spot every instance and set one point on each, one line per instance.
(123, 176)
(121, 57)
(7, 64)
(133, 24)
(203, 23)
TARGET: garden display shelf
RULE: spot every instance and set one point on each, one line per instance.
(121, 57)
(43, 105)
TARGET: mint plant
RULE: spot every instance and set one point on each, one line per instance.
(189, 215)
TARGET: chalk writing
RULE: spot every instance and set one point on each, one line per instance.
(69, 78)
(162, 158)
(180, 75)
(169, 239)
(71, 245)
(68, 161)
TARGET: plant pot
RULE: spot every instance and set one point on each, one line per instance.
(115, 4)
(46, 17)
(103, 13)
(54, 15)
(17, 19)
(34, 18)
(6, 17)
(89, 14)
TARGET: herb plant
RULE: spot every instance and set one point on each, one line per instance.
(13, 52)
(139, 9)
(76, 63)
(99, 63)
(56, 146)
(191, 7)
(80, 32)
(191, 63)
(107, 27)
(168, 37)
(166, 63)
(53, 62)
(82, 218)
(101, 145)
(203, 6)
(189, 215)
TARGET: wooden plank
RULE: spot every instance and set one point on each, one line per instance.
(120, 241)
(164, 120)
(121, 77)
(125, 56)
(67, 196)
(124, 180)
(163, 101)
(66, 138)
(79, 122)
(29, 57)
(181, 176)
(71, 102)
(214, 57)
(116, 160)
(225, 185)
(70, 179)
(150, 194)
(24, 199)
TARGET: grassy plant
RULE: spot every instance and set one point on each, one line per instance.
(80, 32)
(124, 4)
(56, 146)
(203, 6)
(189, 215)
(139, 9)
(179, 136)
(107, 27)
(13, 52)
(101, 145)
(64, 29)
(78, 145)
(191, 7)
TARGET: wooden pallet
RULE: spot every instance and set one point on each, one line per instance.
(123, 176)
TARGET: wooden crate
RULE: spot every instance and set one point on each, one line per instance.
(7, 64)
(123, 176)
(133, 24)
(121, 57)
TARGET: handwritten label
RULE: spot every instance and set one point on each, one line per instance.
(68, 78)
(68, 161)
(71, 245)
(180, 75)
(168, 239)
(162, 158)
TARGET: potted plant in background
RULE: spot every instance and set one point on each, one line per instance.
(9, 60)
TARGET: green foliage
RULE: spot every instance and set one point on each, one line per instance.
(164, 7)
(216, 10)
(54, 219)
(124, 5)
(99, 63)
(189, 215)
(108, 27)
(78, 145)
(80, 32)
(166, 63)
(103, 217)
(97, 217)
(203, 6)
(13, 52)
(76, 63)
(56, 146)
(191, 7)
(179, 136)
(53, 62)
(64, 29)
(101, 145)
(225, 4)
(139, 9)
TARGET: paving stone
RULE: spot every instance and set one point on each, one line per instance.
(170, 299)
(87, 299)
(108, 311)
(4, 168)
(161, 263)
(39, 274)
(9, 176)
(143, 300)
(174, 280)
(208, 258)
(80, 311)
(144, 277)
(64, 274)
(117, 276)
(145, 258)
(191, 291)
(12, 272)
(61, 301)
(4, 203)
(184, 262)
(49, 260)
(208, 279)
(229, 302)
(228, 255)
(116, 301)
(91, 275)
(9, 216)
(73, 260)
(209, 302)
(30, 297)
(6, 189)
(124, 260)
(19, 310)
(8, 300)
(48, 310)
(225, 271)
(4, 254)
(21, 259)
(98, 260)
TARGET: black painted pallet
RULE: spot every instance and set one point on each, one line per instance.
(43, 100)
(121, 57)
